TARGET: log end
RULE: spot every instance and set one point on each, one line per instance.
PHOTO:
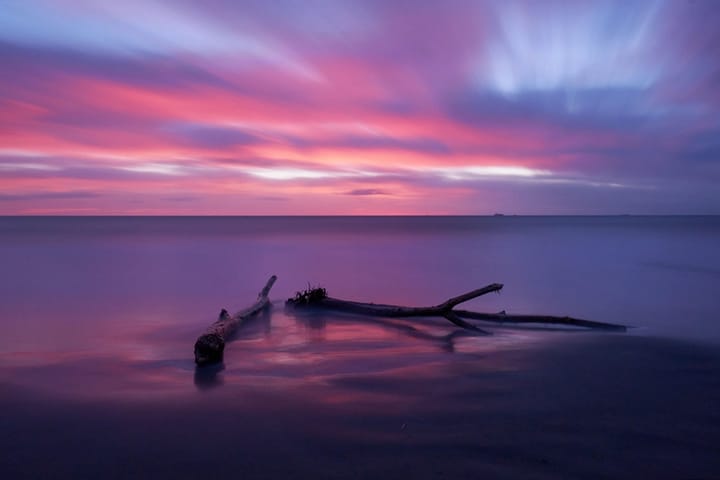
(209, 349)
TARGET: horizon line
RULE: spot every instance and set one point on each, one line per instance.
(497, 215)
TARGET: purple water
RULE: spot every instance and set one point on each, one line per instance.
(98, 317)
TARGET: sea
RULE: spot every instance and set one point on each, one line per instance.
(98, 317)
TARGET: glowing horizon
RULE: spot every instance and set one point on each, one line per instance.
(359, 107)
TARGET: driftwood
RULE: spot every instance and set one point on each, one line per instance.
(317, 297)
(210, 346)
(503, 317)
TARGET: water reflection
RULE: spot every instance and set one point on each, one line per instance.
(98, 321)
(317, 320)
(276, 350)
(258, 326)
(208, 376)
(558, 410)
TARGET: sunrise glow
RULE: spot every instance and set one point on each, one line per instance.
(358, 107)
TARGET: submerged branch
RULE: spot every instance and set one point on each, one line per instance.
(503, 317)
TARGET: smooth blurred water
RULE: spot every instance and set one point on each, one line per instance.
(98, 317)
(69, 279)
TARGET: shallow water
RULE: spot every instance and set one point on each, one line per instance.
(98, 317)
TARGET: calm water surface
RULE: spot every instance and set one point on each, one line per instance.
(98, 317)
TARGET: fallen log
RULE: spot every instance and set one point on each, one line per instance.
(503, 317)
(317, 297)
(210, 346)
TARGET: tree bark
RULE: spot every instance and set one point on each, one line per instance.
(444, 309)
(210, 346)
(503, 317)
(318, 298)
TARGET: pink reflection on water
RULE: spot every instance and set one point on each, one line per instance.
(336, 360)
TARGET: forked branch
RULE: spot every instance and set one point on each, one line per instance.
(317, 297)
(210, 345)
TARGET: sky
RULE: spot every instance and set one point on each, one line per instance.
(372, 107)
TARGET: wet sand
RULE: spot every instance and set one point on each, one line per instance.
(534, 405)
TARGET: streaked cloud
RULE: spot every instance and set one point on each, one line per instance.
(541, 46)
(34, 196)
(364, 192)
(279, 173)
(463, 173)
(27, 166)
(156, 168)
(359, 106)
